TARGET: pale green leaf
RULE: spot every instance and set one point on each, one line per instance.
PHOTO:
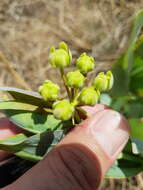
(25, 96)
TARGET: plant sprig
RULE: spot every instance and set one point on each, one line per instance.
(74, 81)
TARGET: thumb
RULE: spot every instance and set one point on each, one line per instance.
(82, 158)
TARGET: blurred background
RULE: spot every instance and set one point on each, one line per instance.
(29, 28)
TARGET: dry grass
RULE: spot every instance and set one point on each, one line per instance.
(29, 28)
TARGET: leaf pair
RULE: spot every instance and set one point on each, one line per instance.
(29, 118)
(31, 113)
(32, 148)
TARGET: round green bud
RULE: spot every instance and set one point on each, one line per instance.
(63, 110)
(63, 45)
(75, 79)
(85, 63)
(49, 90)
(100, 82)
(89, 96)
(103, 82)
(60, 57)
(110, 79)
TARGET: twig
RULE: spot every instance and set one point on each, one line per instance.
(64, 81)
(15, 74)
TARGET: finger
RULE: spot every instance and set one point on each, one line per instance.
(82, 158)
(7, 129)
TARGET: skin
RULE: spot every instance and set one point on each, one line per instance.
(81, 159)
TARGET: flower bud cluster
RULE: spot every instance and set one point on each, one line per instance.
(74, 82)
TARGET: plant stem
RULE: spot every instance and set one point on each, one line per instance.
(73, 120)
(77, 117)
(74, 99)
(48, 110)
(72, 93)
(76, 90)
(64, 81)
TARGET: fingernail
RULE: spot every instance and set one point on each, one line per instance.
(110, 130)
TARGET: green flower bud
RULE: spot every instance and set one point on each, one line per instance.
(75, 79)
(103, 82)
(60, 57)
(110, 79)
(49, 90)
(63, 45)
(85, 63)
(89, 96)
(63, 110)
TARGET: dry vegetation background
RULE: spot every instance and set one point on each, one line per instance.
(29, 27)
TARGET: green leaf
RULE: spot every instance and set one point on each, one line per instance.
(139, 47)
(35, 122)
(13, 105)
(128, 148)
(137, 136)
(134, 108)
(136, 128)
(37, 146)
(28, 156)
(25, 96)
(137, 67)
(41, 144)
(136, 84)
(122, 69)
(34, 147)
(118, 103)
(14, 140)
(12, 144)
(121, 81)
(137, 146)
(129, 165)
(129, 56)
(118, 172)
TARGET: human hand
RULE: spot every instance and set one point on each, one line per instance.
(81, 159)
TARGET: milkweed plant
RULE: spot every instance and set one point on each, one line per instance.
(74, 82)
(45, 116)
